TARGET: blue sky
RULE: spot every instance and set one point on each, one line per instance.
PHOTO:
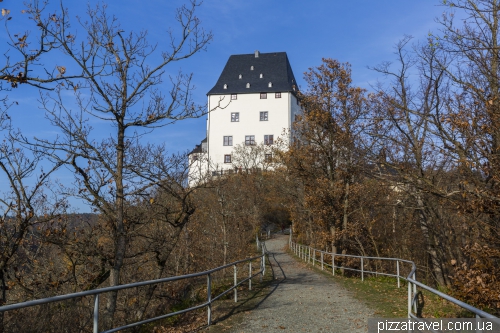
(360, 32)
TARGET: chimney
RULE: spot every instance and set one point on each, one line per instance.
(256, 54)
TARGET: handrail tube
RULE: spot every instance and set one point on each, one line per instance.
(231, 288)
(411, 279)
(115, 288)
(155, 318)
(452, 299)
(371, 272)
(208, 303)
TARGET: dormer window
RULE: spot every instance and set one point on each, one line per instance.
(261, 75)
(240, 76)
(251, 68)
(225, 86)
(248, 85)
(270, 84)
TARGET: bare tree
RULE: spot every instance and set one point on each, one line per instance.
(26, 205)
(122, 87)
(405, 127)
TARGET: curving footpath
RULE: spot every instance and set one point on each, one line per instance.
(303, 301)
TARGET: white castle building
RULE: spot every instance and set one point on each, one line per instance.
(252, 103)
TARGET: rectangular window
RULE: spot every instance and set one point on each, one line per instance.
(249, 140)
(268, 157)
(227, 158)
(264, 115)
(263, 95)
(277, 95)
(234, 96)
(268, 139)
(235, 117)
(228, 141)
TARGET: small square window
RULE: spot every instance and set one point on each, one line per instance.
(228, 141)
(235, 117)
(264, 116)
(268, 139)
(227, 158)
(249, 140)
(263, 95)
(268, 157)
(234, 96)
(277, 95)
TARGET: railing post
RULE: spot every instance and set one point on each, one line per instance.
(362, 270)
(415, 291)
(96, 313)
(263, 262)
(322, 261)
(209, 299)
(309, 253)
(250, 275)
(409, 299)
(333, 264)
(397, 272)
(235, 283)
(261, 268)
(314, 257)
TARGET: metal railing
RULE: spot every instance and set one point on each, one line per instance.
(208, 304)
(310, 254)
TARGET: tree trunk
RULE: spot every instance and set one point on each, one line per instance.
(120, 240)
(431, 247)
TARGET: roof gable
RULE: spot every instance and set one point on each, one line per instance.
(274, 67)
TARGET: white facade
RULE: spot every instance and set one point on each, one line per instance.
(221, 124)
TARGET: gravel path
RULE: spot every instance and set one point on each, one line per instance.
(303, 301)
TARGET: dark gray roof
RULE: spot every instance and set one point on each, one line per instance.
(198, 148)
(274, 67)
